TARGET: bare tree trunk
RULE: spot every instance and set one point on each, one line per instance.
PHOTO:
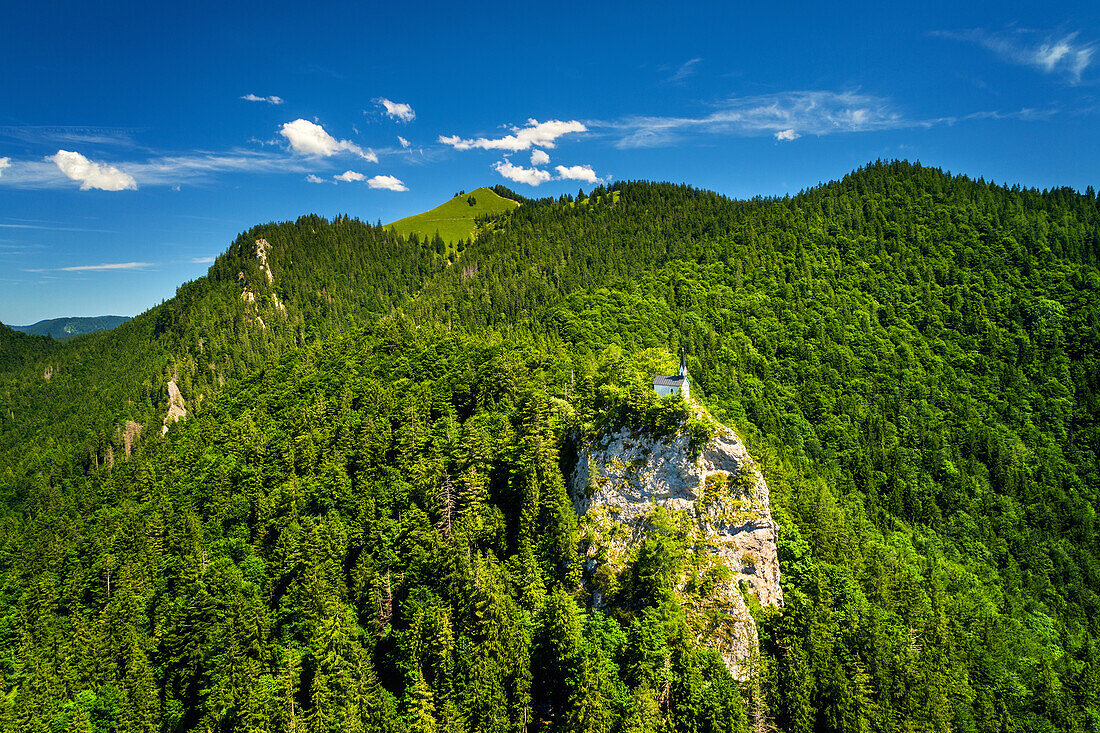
(759, 713)
(446, 506)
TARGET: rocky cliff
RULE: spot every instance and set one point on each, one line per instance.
(177, 409)
(721, 502)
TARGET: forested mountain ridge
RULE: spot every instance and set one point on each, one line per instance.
(331, 275)
(62, 328)
(910, 356)
(18, 348)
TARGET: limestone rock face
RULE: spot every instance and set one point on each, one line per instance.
(262, 248)
(722, 502)
(176, 407)
(250, 296)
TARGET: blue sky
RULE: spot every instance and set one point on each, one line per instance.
(137, 142)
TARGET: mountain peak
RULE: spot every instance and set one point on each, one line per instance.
(455, 219)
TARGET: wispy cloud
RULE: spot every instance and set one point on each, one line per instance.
(164, 170)
(107, 266)
(4, 163)
(91, 174)
(256, 98)
(535, 133)
(685, 70)
(201, 166)
(323, 70)
(1062, 54)
(96, 268)
(785, 115)
(70, 135)
(54, 228)
(202, 260)
(404, 143)
(399, 111)
(310, 138)
(1027, 114)
(311, 178)
(9, 248)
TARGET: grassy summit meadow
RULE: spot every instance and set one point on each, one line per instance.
(454, 220)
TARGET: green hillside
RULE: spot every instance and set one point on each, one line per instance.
(327, 276)
(18, 349)
(454, 220)
(62, 328)
(362, 524)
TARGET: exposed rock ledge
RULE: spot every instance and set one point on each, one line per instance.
(720, 495)
(262, 248)
(176, 407)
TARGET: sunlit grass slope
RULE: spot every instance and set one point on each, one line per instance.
(454, 220)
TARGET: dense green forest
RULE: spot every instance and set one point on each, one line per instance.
(363, 524)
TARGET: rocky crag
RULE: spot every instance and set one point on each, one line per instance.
(720, 499)
(249, 295)
(177, 409)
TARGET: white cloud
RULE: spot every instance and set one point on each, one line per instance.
(310, 138)
(54, 228)
(577, 173)
(202, 260)
(403, 141)
(387, 182)
(1061, 54)
(539, 157)
(686, 69)
(70, 135)
(788, 134)
(397, 110)
(350, 176)
(540, 134)
(315, 179)
(164, 170)
(256, 98)
(201, 166)
(808, 112)
(519, 174)
(92, 175)
(4, 163)
(109, 266)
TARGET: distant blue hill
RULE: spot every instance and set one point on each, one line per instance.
(64, 328)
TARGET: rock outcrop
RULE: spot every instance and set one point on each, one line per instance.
(250, 296)
(176, 407)
(261, 254)
(721, 500)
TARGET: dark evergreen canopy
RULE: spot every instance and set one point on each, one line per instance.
(363, 525)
